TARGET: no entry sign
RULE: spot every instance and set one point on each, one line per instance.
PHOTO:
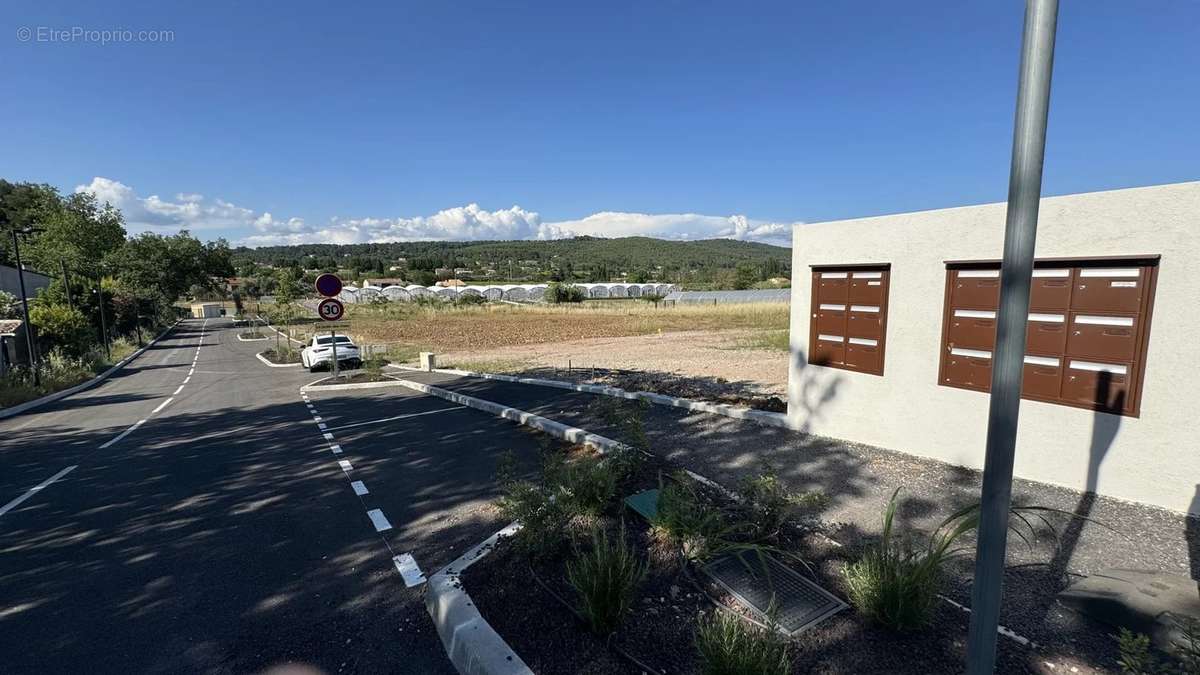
(330, 309)
(328, 285)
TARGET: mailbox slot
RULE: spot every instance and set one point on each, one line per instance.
(976, 289)
(1111, 338)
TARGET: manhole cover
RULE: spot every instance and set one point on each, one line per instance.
(798, 603)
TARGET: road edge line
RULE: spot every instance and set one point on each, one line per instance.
(83, 386)
(764, 417)
(472, 645)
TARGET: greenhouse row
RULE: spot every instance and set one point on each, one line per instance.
(511, 292)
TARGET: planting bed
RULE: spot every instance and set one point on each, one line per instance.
(524, 598)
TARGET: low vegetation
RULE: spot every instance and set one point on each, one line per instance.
(252, 335)
(557, 293)
(729, 645)
(605, 578)
(282, 353)
(768, 504)
(1137, 658)
(59, 371)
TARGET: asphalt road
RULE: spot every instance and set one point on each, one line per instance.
(201, 521)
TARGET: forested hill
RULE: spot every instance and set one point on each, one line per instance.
(584, 256)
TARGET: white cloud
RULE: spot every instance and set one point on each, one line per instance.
(471, 222)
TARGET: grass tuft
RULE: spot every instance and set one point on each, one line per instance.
(728, 645)
(605, 578)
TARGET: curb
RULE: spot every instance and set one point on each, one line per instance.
(262, 358)
(543, 424)
(283, 334)
(772, 419)
(50, 398)
(472, 645)
(242, 339)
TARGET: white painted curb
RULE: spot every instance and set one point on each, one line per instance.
(473, 646)
(50, 398)
(763, 417)
(283, 334)
(549, 426)
(276, 365)
(242, 339)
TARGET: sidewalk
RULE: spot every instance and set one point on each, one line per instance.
(859, 480)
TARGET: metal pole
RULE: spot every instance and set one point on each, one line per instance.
(1020, 231)
(333, 338)
(37, 378)
(103, 321)
(66, 283)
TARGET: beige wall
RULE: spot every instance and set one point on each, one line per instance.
(1153, 459)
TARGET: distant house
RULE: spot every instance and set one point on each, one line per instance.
(384, 282)
(206, 310)
(452, 283)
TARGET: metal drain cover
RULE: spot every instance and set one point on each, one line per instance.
(799, 603)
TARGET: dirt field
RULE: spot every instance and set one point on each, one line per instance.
(702, 355)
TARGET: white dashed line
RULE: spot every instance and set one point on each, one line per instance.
(187, 379)
(316, 418)
(359, 488)
(345, 464)
(38, 488)
(123, 434)
(407, 566)
(162, 405)
(328, 436)
(337, 449)
(379, 520)
(178, 390)
(321, 426)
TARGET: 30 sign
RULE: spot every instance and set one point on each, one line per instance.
(331, 309)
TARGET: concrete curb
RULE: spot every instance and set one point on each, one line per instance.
(543, 424)
(283, 334)
(50, 398)
(472, 645)
(763, 417)
(242, 339)
(262, 358)
(316, 386)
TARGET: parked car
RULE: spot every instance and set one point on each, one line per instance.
(319, 353)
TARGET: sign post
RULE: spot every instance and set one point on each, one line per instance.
(330, 309)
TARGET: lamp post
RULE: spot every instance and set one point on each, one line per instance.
(33, 361)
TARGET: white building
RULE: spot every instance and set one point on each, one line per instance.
(893, 319)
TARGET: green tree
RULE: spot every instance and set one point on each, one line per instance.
(64, 327)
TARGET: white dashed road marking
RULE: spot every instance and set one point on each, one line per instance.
(36, 489)
(379, 520)
(408, 569)
(359, 488)
(123, 434)
(162, 405)
(345, 464)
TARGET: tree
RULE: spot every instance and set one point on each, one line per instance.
(63, 326)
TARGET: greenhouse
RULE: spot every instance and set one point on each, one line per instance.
(508, 292)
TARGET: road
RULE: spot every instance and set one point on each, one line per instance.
(191, 515)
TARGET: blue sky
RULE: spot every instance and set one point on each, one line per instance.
(315, 121)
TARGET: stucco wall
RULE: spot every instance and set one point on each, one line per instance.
(1153, 459)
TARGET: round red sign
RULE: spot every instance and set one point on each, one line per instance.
(330, 309)
(328, 285)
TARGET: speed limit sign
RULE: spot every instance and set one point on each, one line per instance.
(330, 309)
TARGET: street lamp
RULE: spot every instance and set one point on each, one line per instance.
(33, 360)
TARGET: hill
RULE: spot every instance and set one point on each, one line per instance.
(580, 258)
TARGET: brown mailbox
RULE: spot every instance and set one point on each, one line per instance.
(831, 321)
(974, 372)
(862, 324)
(831, 289)
(977, 332)
(1108, 290)
(1044, 335)
(1110, 393)
(978, 292)
(827, 353)
(1050, 292)
(1041, 379)
(866, 289)
(1110, 338)
(863, 356)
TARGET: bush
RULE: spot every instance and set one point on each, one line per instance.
(897, 584)
(63, 326)
(769, 504)
(728, 645)
(558, 293)
(1138, 659)
(695, 527)
(605, 579)
(544, 519)
(585, 486)
(469, 299)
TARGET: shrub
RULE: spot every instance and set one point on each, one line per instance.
(1137, 658)
(469, 299)
(605, 579)
(896, 583)
(695, 527)
(63, 326)
(769, 504)
(729, 645)
(584, 485)
(558, 293)
(544, 519)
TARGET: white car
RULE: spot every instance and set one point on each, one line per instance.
(319, 353)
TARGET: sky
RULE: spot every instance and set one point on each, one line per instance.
(271, 123)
